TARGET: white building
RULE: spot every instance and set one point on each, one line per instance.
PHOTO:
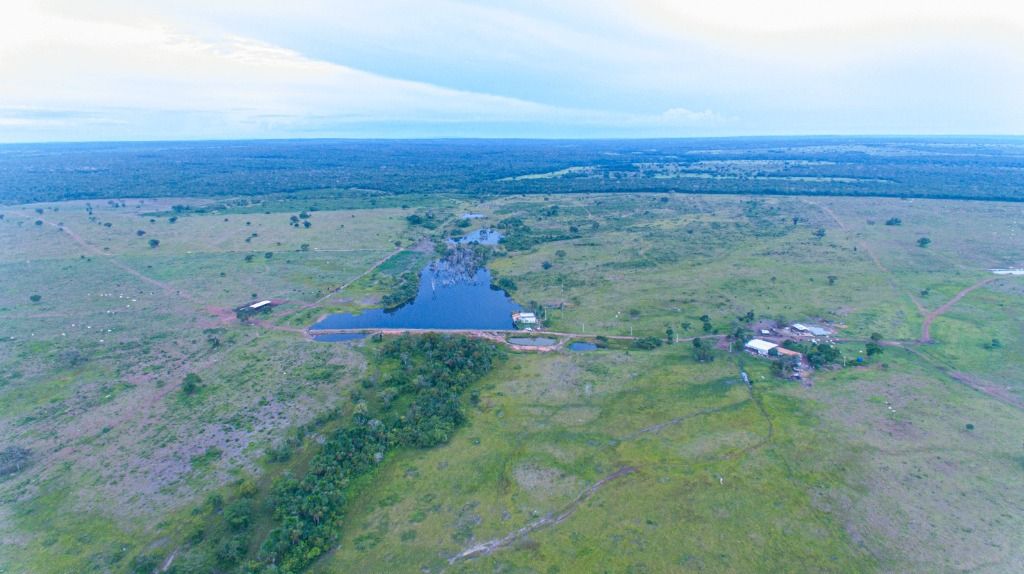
(759, 346)
(525, 318)
(260, 304)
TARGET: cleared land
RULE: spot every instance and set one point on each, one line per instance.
(910, 461)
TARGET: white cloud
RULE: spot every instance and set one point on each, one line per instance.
(194, 68)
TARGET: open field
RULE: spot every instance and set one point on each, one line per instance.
(871, 468)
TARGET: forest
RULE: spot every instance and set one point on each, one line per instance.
(948, 167)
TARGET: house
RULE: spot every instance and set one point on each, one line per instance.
(524, 318)
(260, 304)
(760, 346)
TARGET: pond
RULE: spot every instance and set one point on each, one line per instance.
(532, 341)
(339, 337)
(582, 346)
(446, 299)
(481, 236)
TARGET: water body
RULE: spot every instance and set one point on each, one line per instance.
(339, 337)
(446, 300)
(481, 236)
(580, 346)
(532, 341)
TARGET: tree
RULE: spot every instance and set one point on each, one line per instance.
(923, 242)
(832, 280)
(873, 348)
(304, 247)
(154, 243)
(35, 298)
(820, 233)
(706, 323)
(546, 265)
(670, 335)
(686, 325)
(39, 222)
(307, 224)
(894, 221)
(702, 351)
(140, 232)
(191, 384)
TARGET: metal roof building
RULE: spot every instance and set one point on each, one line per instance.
(759, 346)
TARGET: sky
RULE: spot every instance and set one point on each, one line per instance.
(89, 70)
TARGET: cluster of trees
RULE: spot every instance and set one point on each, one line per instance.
(647, 343)
(403, 290)
(517, 236)
(818, 355)
(427, 220)
(420, 400)
(300, 219)
(703, 350)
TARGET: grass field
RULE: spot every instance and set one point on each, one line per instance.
(873, 468)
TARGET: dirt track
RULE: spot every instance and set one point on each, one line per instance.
(485, 548)
(926, 325)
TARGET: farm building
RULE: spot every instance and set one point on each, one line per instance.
(260, 304)
(524, 318)
(760, 346)
(811, 330)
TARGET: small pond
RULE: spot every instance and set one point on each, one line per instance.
(447, 299)
(339, 337)
(582, 346)
(532, 341)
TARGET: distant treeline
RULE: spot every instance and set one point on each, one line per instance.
(953, 168)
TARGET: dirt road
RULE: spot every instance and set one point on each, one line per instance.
(485, 548)
(926, 325)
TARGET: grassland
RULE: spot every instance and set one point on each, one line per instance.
(872, 468)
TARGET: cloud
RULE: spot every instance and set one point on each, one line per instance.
(191, 69)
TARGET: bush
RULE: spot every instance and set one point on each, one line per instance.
(647, 343)
(13, 459)
(35, 298)
(191, 384)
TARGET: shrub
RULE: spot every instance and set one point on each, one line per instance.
(35, 298)
(647, 343)
(191, 384)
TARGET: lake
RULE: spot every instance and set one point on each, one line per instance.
(445, 300)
